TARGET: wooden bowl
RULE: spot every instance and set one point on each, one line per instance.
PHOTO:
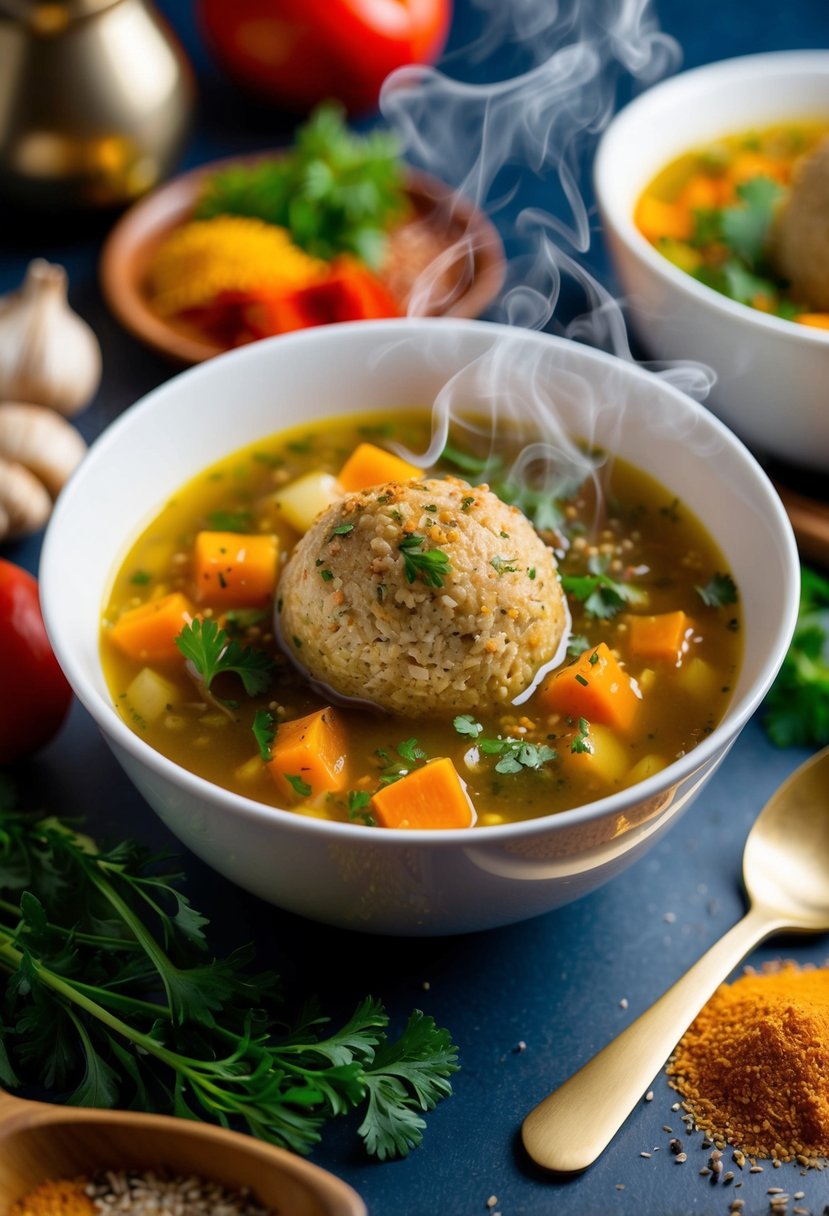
(40, 1141)
(471, 265)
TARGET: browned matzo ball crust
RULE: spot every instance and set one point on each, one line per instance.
(801, 237)
(351, 617)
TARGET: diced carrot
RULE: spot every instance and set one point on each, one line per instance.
(308, 755)
(149, 632)
(818, 320)
(231, 568)
(747, 165)
(663, 636)
(701, 193)
(369, 465)
(656, 219)
(430, 797)
(593, 687)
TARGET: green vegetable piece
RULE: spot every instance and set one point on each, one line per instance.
(720, 589)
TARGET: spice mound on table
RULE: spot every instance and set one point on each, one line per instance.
(754, 1066)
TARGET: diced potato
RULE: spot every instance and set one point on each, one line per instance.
(150, 694)
(609, 760)
(698, 679)
(301, 501)
(646, 767)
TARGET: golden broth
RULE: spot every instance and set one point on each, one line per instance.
(682, 210)
(647, 540)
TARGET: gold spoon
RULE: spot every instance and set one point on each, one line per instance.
(39, 1141)
(786, 876)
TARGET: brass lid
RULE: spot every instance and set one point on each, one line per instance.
(49, 17)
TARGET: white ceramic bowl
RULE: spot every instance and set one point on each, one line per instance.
(394, 881)
(771, 374)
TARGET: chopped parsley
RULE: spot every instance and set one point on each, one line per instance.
(300, 787)
(503, 565)
(409, 751)
(230, 521)
(465, 724)
(582, 743)
(516, 754)
(141, 578)
(720, 589)
(341, 530)
(432, 565)
(601, 595)
(359, 802)
(264, 732)
(210, 651)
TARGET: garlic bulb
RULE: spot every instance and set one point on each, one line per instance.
(48, 354)
(38, 452)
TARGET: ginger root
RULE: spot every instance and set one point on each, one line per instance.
(39, 450)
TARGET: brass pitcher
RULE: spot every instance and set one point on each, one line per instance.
(95, 101)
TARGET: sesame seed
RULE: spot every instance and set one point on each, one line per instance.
(492, 1201)
(643, 1154)
(649, 1096)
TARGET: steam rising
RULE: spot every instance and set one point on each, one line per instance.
(491, 140)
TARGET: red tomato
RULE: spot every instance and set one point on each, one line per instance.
(300, 52)
(34, 694)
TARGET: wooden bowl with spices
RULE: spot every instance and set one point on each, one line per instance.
(66, 1161)
(193, 278)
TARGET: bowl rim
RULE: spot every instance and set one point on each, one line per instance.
(714, 746)
(617, 212)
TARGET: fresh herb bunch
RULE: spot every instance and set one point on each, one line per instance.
(113, 998)
(335, 191)
(797, 707)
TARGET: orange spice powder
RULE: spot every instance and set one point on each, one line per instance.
(62, 1197)
(753, 1068)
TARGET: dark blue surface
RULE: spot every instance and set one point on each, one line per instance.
(556, 984)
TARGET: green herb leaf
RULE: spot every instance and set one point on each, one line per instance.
(211, 651)
(796, 710)
(432, 565)
(359, 802)
(230, 521)
(297, 784)
(720, 589)
(601, 595)
(503, 565)
(468, 462)
(264, 732)
(746, 227)
(335, 191)
(465, 724)
(582, 743)
(517, 754)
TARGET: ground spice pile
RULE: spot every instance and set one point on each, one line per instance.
(753, 1068)
(142, 1193)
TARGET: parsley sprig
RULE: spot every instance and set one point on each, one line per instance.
(210, 651)
(431, 565)
(601, 595)
(114, 998)
(797, 707)
(335, 191)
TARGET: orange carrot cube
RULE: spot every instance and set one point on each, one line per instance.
(593, 687)
(308, 755)
(662, 636)
(818, 320)
(656, 219)
(148, 633)
(233, 569)
(430, 797)
(369, 465)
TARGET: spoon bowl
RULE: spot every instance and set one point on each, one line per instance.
(39, 1141)
(786, 876)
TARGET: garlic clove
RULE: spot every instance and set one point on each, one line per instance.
(46, 444)
(25, 503)
(48, 354)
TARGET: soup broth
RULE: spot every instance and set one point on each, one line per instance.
(712, 210)
(647, 590)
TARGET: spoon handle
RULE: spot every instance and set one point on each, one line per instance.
(569, 1129)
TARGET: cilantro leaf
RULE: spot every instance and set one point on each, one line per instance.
(746, 226)
(465, 724)
(720, 589)
(210, 651)
(468, 462)
(359, 802)
(432, 565)
(601, 595)
(517, 754)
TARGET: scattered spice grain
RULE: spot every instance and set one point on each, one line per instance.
(139, 1193)
(55, 1197)
(753, 1068)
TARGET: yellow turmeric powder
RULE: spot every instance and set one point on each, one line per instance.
(62, 1197)
(229, 253)
(754, 1066)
